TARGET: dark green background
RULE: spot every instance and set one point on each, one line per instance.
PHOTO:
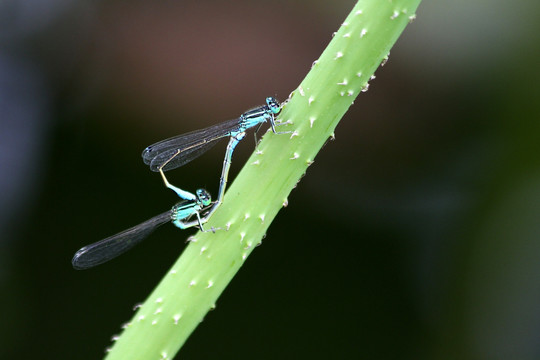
(415, 235)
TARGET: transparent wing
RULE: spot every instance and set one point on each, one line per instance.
(186, 147)
(113, 246)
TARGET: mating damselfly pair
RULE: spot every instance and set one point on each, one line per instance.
(194, 209)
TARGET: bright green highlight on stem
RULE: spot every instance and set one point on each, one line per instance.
(191, 287)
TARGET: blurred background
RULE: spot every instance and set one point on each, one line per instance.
(433, 253)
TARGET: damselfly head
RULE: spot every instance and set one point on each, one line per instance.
(204, 197)
(273, 105)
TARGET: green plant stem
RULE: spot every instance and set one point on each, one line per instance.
(193, 284)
